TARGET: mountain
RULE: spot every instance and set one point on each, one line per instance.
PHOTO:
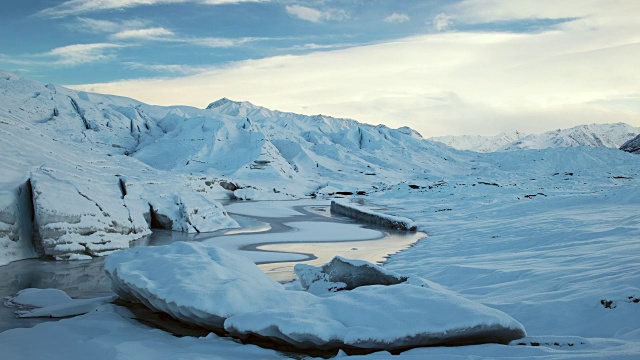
(595, 135)
(632, 146)
(479, 143)
(87, 173)
(84, 174)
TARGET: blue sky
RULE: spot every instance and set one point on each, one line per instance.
(442, 67)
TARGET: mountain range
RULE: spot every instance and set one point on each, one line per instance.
(597, 135)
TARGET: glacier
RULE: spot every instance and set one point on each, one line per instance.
(548, 236)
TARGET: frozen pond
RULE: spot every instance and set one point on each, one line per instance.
(275, 234)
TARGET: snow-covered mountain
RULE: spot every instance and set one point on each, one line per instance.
(88, 172)
(596, 135)
(546, 236)
(480, 143)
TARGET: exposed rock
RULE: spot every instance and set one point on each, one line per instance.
(632, 146)
(344, 274)
(373, 217)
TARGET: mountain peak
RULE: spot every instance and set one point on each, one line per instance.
(221, 102)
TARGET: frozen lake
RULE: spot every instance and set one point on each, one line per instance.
(275, 234)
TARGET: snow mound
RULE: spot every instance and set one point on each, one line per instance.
(632, 146)
(52, 303)
(210, 287)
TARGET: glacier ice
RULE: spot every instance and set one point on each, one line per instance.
(213, 288)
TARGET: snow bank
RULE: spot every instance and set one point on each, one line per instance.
(371, 216)
(213, 288)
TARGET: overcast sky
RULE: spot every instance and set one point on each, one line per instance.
(441, 67)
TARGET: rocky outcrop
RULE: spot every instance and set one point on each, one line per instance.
(632, 146)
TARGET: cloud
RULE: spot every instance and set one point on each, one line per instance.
(76, 54)
(396, 18)
(315, 15)
(96, 26)
(169, 68)
(444, 83)
(152, 34)
(137, 30)
(79, 7)
(441, 22)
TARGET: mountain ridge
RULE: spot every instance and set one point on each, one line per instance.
(611, 135)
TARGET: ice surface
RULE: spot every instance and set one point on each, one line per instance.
(194, 283)
(381, 317)
(111, 333)
(52, 303)
(210, 287)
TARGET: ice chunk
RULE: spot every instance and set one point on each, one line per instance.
(344, 274)
(52, 303)
(210, 287)
(381, 317)
(196, 284)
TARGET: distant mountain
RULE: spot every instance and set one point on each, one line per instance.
(632, 146)
(596, 135)
(480, 143)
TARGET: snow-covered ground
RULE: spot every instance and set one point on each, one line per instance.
(549, 237)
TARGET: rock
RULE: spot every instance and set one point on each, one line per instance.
(344, 274)
(632, 146)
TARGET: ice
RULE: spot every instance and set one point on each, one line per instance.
(197, 284)
(52, 303)
(381, 317)
(543, 235)
(112, 333)
(363, 213)
(344, 274)
(216, 289)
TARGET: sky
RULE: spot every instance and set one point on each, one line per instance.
(447, 67)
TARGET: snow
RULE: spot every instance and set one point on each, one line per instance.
(344, 274)
(112, 333)
(210, 287)
(597, 135)
(263, 209)
(197, 284)
(55, 303)
(369, 215)
(548, 236)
